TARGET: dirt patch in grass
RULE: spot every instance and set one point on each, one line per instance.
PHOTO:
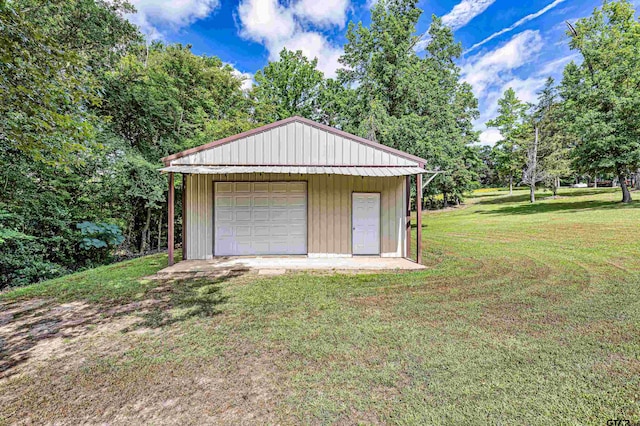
(240, 386)
(159, 360)
(620, 365)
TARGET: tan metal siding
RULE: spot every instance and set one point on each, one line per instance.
(294, 144)
(328, 210)
(199, 206)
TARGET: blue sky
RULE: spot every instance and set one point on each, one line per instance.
(507, 43)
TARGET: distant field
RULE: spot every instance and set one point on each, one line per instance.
(528, 314)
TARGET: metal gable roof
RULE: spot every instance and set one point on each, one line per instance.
(294, 141)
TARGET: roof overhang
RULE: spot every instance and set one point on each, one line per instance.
(373, 171)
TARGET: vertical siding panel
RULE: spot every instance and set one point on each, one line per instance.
(264, 156)
(290, 138)
(305, 144)
(234, 152)
(354, 153)
(323, 214)
(362, 154)
(271, 147)
(338, 151)
(254, 148)
(346, 150)
(399, 216)
(384, 217)
(370, 152)
(331, 149)
(337, 214)
(322, 148)
(314, 146)
(330, 215)
(242, 148)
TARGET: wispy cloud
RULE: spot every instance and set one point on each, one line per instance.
(461, 14)
(491, 73)
(516, 25)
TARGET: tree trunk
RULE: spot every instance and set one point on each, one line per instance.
(626, 195)
(534, 170)
(510, 185)
(595, 182)
(444, 200)
(159, 230)
(144, 234)
(637, 185)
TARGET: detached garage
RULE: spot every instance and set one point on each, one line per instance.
(294, 187)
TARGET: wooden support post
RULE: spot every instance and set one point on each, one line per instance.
(170, 207)
(408, 215)
(419, 218)
(184, 216)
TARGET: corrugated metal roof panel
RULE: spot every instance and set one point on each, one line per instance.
(350, 171)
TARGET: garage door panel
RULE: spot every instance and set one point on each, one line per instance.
(300, 187)
(242, 201)
(297, 215)
(243, 216)
(224, 201)
(261, 201)
(297, 201)
(279, 215)
(242, 187)
(261, 215)
(279, 186)
(261, 187)
(256, 218)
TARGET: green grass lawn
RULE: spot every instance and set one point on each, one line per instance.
(527, 314)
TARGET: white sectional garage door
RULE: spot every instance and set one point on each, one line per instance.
(253, 218)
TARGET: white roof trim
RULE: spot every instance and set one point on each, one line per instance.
(303, 170)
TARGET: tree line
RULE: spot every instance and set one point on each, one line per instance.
(89, 106)
(588, 125)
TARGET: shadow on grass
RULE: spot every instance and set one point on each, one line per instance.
(26, 324)
(519, 198)
(566, 207)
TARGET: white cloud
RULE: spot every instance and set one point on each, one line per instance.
(461, 14)
(152, 15)
(277, 26)
(490, 137)
(556, 66)
(324, 13)
(516, 25)
(265, 21)
(246, 77)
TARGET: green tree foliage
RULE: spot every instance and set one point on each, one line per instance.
(508, 152)
(555, 142)
(287, 87)
(602, 94)
(417, 104)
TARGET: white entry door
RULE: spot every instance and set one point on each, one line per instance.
(366, 223)
(253, 218)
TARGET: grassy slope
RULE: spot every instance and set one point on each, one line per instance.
(529, 314)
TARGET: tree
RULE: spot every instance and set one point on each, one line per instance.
(287, 87)
(555, 150)
(602, 94)
(508, 152)
(417, 104)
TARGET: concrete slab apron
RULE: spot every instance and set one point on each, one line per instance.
(276, 265)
